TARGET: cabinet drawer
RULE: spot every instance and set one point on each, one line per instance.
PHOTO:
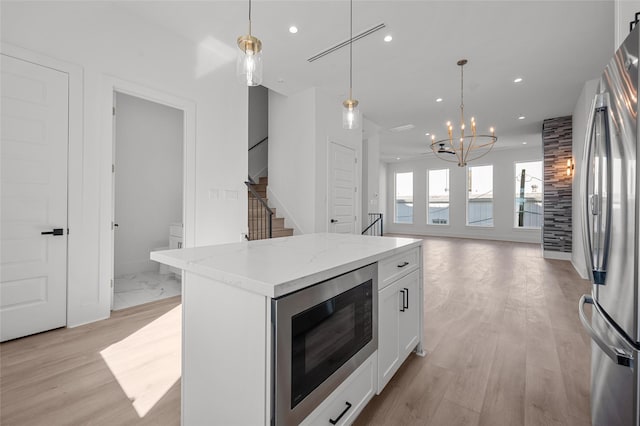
(349, 399)
(396, 266)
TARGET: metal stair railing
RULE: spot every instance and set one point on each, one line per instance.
(260, 216)
(375, 225)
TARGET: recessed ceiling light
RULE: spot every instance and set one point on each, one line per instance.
(522, 117)
(397, 158)
(388, 38)
(293, 29)
(518, 80)
(524, 143)
(427, 134)
(439, 100)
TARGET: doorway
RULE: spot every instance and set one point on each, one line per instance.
(148, 204)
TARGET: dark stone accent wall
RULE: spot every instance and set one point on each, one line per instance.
(556, 142)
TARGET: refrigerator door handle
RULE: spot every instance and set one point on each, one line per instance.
(597, 205)
(619, 356)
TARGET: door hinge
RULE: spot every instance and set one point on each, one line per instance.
(114, 110)
(111, 283)
(113, 168)
(112, 225)
(355, 160)
(355, 189)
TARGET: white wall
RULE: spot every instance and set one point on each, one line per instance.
(383, 198)
(300, 129)
(107, 41)
(258, 130)
(503, 202)
(148, 180)
(624, 11)
(370, 169)
(580, 118)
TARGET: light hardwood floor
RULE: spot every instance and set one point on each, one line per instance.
(505, 344)
(505, 347)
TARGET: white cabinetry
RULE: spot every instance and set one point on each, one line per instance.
(346, 402)
(399, 312)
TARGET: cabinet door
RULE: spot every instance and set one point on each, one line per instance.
(389, 305)
(410, 314)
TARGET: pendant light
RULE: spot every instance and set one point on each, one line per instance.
(350, 113)
(249, 63)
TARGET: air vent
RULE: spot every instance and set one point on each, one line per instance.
(346, 42)
(402, 128)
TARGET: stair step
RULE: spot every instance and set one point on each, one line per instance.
(259, 187)
(264, 180)
(277, 223)
(286, 232)
(260, 212)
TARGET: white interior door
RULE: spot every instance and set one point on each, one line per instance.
(342, 189)
(34, 143)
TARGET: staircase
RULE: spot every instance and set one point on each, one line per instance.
(259, 215)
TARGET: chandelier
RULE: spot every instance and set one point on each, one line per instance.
(465, 147)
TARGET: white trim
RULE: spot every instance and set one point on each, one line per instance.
(580, 272)
(558, 255)
(113, 84)
(80, 314)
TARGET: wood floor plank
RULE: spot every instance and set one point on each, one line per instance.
(504, 342)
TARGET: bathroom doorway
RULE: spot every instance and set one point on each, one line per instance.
(147, 198)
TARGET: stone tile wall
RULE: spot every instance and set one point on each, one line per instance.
(556, 142)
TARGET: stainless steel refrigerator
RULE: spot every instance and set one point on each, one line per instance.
(611, 214)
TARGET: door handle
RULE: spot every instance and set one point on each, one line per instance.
(619, 356)
(334, 220)
(403, 300)
(56, 232)
(407, 292)
(596, 184)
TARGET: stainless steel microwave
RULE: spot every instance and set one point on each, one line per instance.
(322, 334)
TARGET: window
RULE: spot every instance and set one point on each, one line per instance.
(528, 195)
(404, 198)
(438, 197)
(480, 196)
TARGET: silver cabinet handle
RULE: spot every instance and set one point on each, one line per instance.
(619, 356)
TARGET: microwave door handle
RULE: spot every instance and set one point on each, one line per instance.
(617, 355)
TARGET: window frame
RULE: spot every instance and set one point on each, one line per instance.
(514, 217)
(428, 193)
(395, 194)
(468, 168)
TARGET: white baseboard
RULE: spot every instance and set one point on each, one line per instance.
(579, 270)
(558, 255)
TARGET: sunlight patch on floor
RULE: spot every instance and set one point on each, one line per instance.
(147, 363)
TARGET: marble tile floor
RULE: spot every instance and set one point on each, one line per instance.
(143, 287)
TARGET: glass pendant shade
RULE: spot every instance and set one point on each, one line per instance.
(249, 63)
(351, 116)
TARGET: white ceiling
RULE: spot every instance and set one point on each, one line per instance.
(555, 46)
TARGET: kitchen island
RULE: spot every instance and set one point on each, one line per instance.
(228, 308)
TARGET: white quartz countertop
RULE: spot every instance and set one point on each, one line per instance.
(279, 266)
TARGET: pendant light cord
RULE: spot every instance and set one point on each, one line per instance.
(462, 94)
(249, 17)
(350, 48)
